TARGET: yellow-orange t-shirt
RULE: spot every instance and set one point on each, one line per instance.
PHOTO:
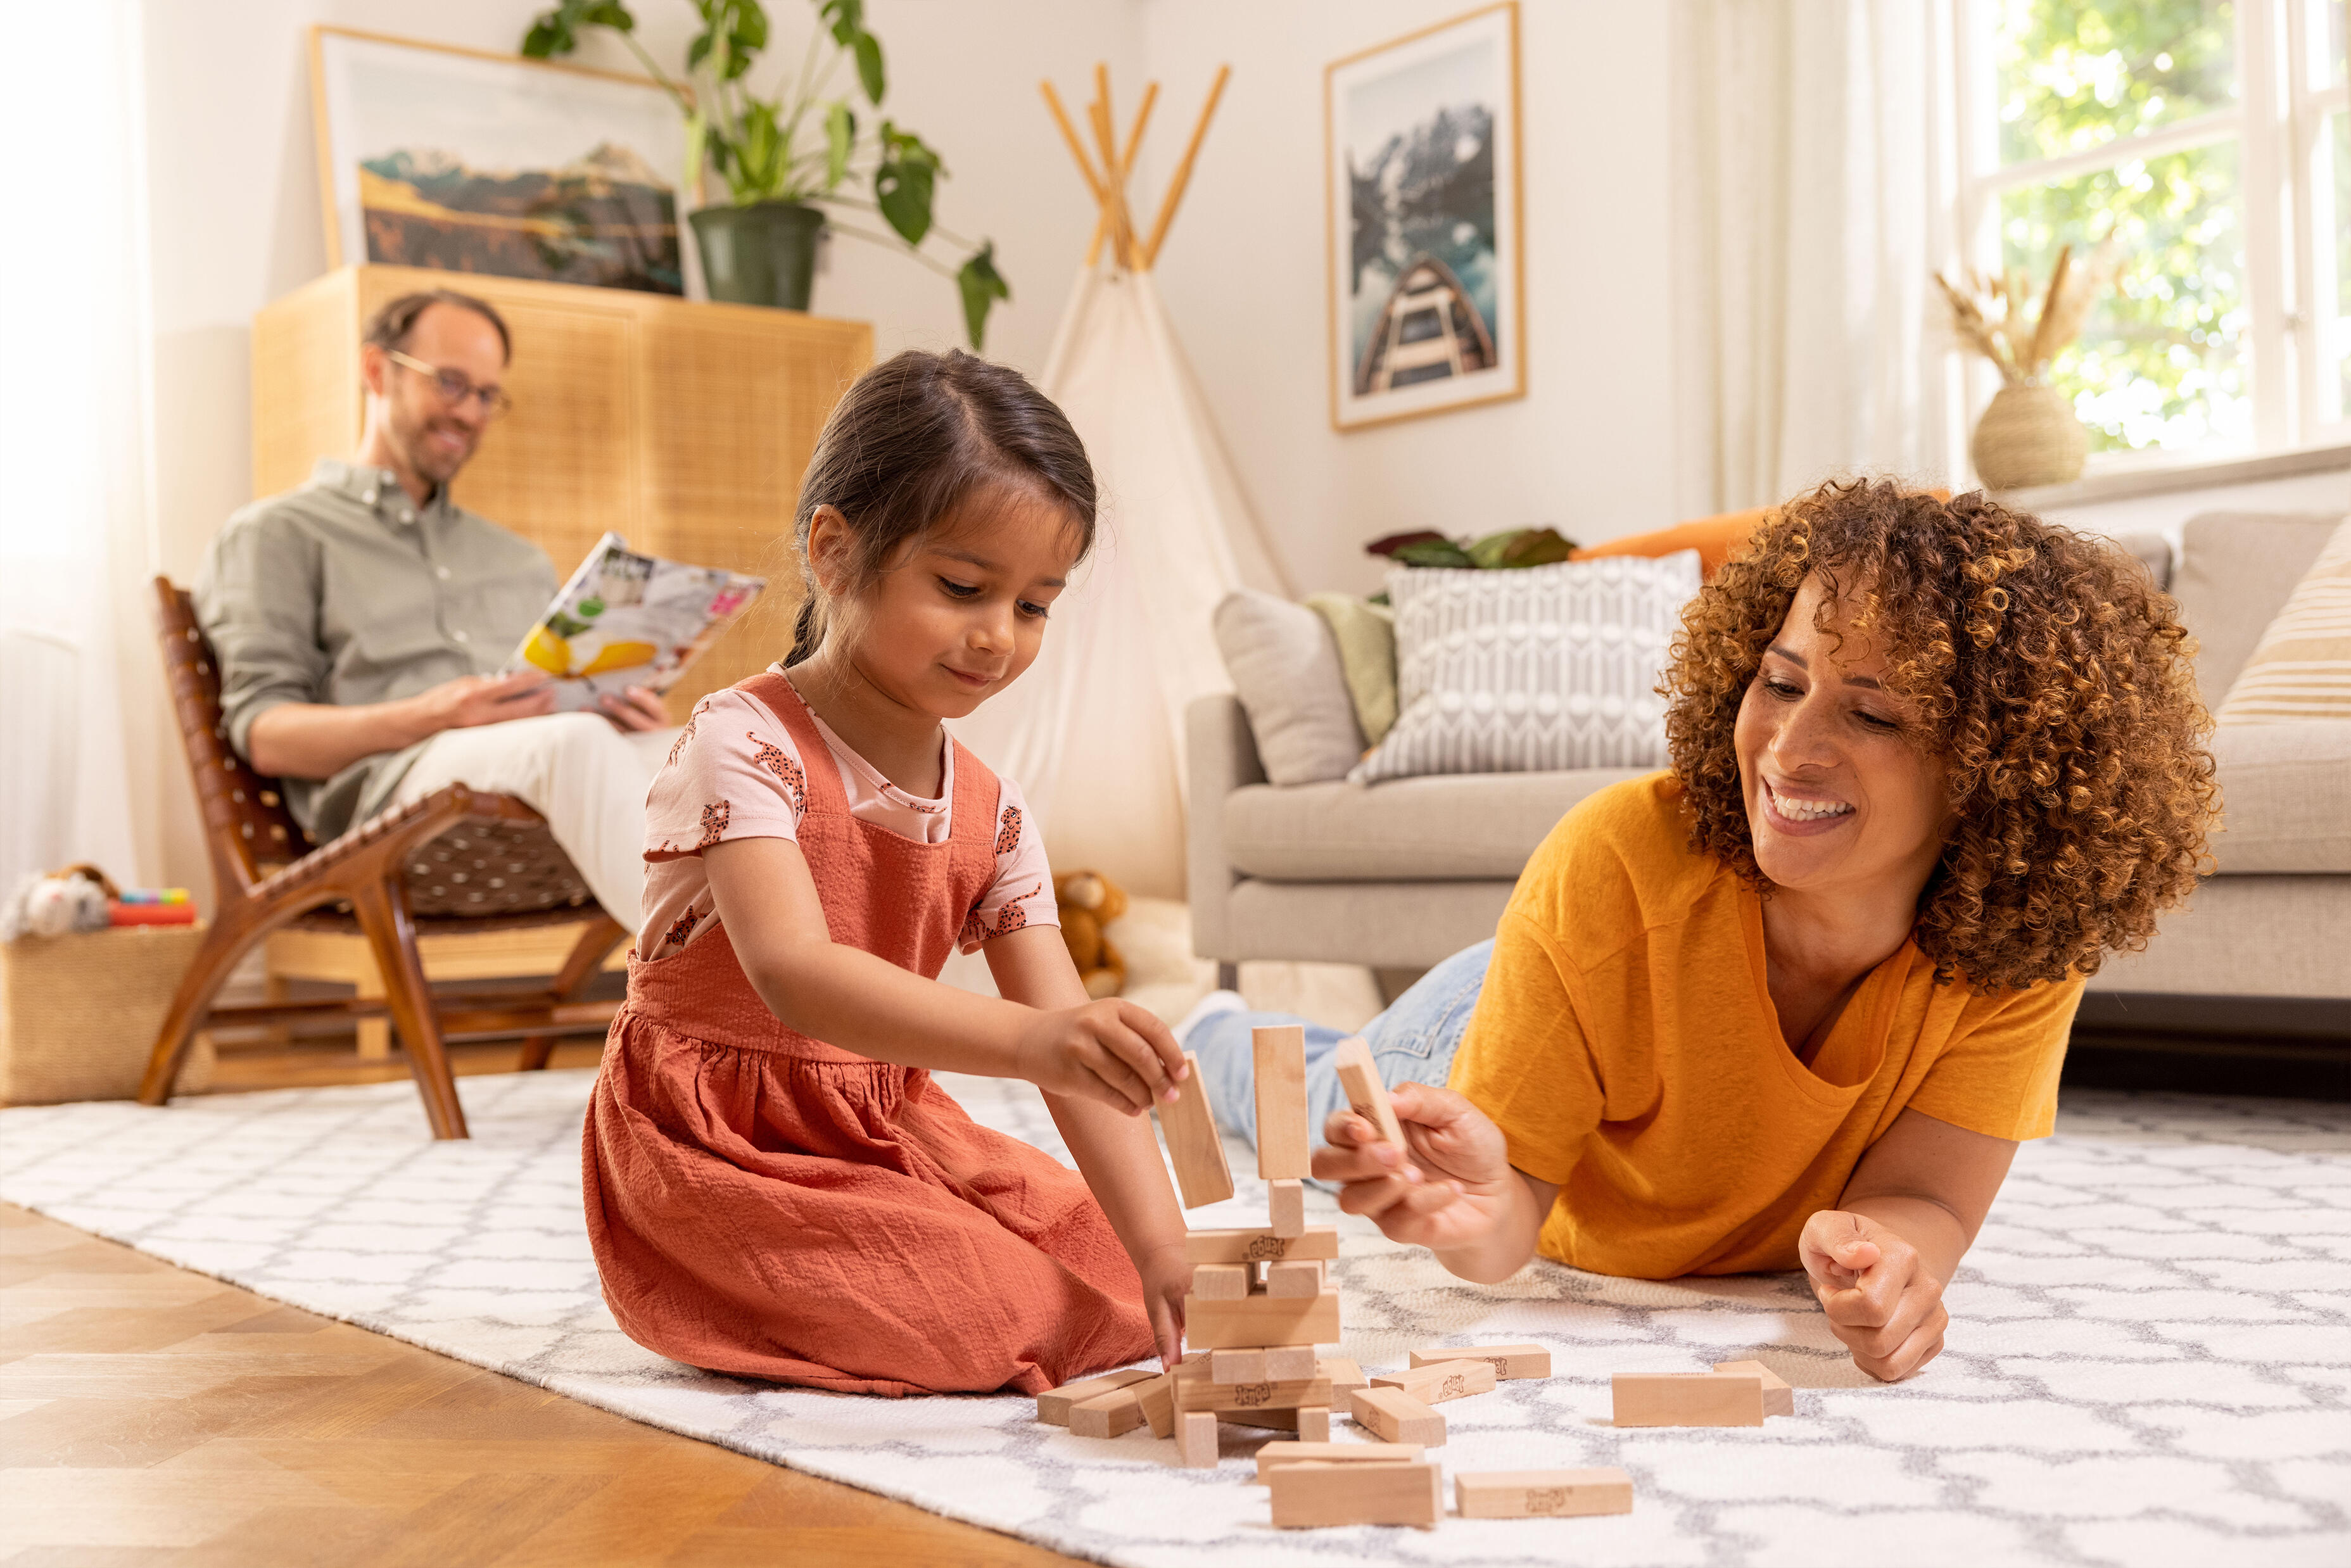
(1626, 1045)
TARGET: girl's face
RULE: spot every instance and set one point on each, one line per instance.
(1838, 794)
(961, 613)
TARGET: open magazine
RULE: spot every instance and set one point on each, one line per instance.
(630, 620)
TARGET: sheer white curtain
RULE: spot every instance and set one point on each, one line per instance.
(1812, 183)
(74, 529)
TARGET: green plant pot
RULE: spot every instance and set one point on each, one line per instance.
(763, 254)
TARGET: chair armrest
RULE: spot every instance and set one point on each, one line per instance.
(1221, 756)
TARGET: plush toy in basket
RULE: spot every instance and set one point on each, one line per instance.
(1089, 902)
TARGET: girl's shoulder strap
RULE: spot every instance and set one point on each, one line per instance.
(972, 816)
(771, 691)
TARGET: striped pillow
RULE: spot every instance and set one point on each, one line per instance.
(2302, 668)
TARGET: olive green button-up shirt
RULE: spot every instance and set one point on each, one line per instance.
(346, 592)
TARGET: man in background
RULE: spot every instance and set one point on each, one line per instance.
(361, 622)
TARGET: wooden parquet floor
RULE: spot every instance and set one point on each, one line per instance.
(154, 1417)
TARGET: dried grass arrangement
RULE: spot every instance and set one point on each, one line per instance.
(1989, 313)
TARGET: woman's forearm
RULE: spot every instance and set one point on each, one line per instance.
(1520, 1205)
(1934, 1232)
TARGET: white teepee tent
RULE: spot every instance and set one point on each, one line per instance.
(1094, 731)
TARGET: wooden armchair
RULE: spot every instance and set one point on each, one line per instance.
(458, 860)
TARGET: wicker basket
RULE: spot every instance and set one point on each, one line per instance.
(78, 1014)
(2028, 437)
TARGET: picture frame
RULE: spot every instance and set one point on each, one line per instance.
(1423, 201)
(466, 160)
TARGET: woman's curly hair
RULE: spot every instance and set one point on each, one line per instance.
(2046, 669)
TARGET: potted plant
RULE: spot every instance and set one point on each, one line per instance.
(791, 160)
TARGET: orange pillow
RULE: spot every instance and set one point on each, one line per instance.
(1716, 539)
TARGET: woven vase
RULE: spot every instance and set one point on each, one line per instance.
(2028, 437)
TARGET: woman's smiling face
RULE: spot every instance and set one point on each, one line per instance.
(1839, 793)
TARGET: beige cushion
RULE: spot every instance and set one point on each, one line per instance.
(2234, 573)
(2243, 935)
(2285, 796)
(1285, 669)
(2302, 668)
(1458, 825)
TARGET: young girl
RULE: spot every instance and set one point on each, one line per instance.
(775, 1187)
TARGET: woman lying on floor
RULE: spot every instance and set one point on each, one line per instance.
(1794, 1002)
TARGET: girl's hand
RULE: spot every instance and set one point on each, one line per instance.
(1449, 1190)
(1880, 1299)
(1166, 1280)
(1109, 1051)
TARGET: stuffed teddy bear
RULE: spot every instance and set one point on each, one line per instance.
(74, 899)
(1089, 902)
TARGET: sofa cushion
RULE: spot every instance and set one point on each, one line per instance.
(2234, 573)
(1446, 827)
(1285, 669)
(2301, 667)
(1365, 634)
(2286, 796)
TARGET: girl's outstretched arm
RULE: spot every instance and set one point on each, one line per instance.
(1111, 1054)
(1117, 1155)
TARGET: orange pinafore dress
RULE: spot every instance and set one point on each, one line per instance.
(764, 1203)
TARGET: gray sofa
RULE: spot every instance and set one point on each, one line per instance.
(1398, 875)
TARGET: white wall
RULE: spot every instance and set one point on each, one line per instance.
(1589, 449)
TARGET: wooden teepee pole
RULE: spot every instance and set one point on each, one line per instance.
(1122, 226)
(1070, 135)
(1184, 170)
(1126, 169)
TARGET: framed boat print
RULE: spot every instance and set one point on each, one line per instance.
(471, 162)
(1427, 265)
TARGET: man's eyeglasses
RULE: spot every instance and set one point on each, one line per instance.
(456, 386)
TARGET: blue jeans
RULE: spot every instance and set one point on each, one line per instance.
(1413, 1041)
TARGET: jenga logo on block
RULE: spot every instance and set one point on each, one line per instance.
(1455, 1387)
(1500, 1364)
(1249, 1395)
(1266, 1248)
(1546, 1499)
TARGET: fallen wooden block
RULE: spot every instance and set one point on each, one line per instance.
(1201, 1395)
(1343, 1373)
(1193, 1147)
(1687, 1399)
(1394, 1416)
(1254, 1244)
(1054, 1404)
(1290, 1362)
(1262, 1320)
(1196, 1440)
(1314, 1423)
(1236, 1365)
(1541, 1494)
(1300, 1279)
(1368, 1093)
(1108, 1415)
(1509, 1361)
(1157, 1398)
(1444, 1380)
(1273, 1455)
(1285, 1203)
(1279, 1054)
(1779, 1399)
(1220, 1282)
(1315, 1494)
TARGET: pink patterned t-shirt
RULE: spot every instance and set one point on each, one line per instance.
(735, 773)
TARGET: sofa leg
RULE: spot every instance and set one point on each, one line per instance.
(1228, 976)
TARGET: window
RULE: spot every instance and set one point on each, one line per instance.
(2208, 142)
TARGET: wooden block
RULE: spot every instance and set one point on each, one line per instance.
(1107, 1414)
(1196, 1440)
(1285, 1203)
(1343, 1373)
(1265, 1420)
(1223, 1397)
(1779, 1399)
(1444, 1380)
(1314, 1423)
(1262, 1320)
(1300, 1279)
(1252, 1245)
(1283, 1140)
(1687, 1399)
(1368, 1093)
(1157, 1398)
(1193, 1147)
(1273, 1455)
(1509, 1361)
(1053, 1405)
(1541, 1494)
(1314, 1494)
(1290, 1363)
(1394, 1416)
(1220, 1282)
(1240, 1365)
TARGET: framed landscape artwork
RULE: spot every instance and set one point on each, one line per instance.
(1421, 145)
(468, 161)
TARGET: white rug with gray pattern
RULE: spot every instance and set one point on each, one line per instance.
(2149, 1360)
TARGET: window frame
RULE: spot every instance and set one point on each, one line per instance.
(2278, 123)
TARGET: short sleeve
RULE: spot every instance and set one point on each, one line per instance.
(1999, 1077)
(1524, 1060)
(1022, 894)
(732, 773)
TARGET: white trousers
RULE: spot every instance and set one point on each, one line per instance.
(585, 778)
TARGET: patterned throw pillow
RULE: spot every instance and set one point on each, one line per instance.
(1539, 670)
(2301, 667)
